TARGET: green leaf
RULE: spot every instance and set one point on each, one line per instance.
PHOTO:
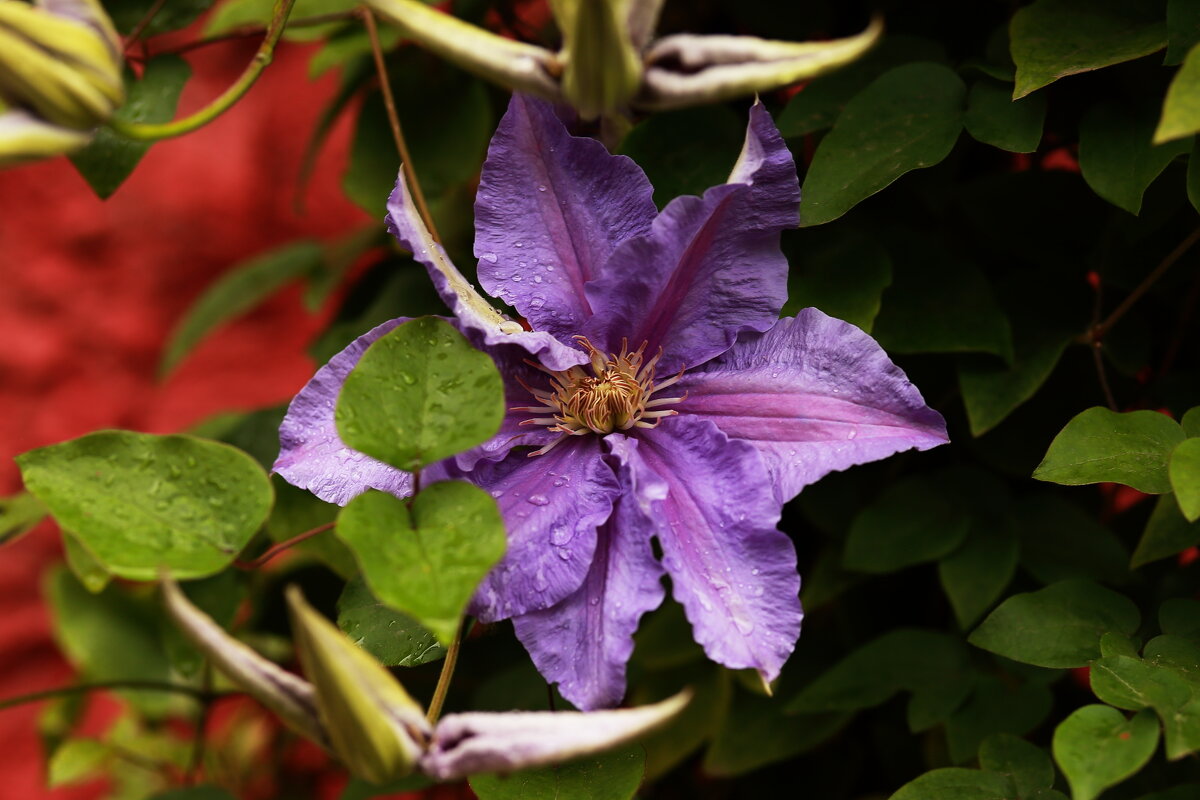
(1099, 445)
(84, 566)
(975, 574)
(992, 391)
(1026, 764)
(697, 724)
(396, 639)
(994, 118)
(912, 522)
(685, 152)
(127, 14)
(1183, 29)
(1116, 154)
(195, 793)
(110, 158)
(907, 659)
(1181, 108)
(419, 394)
(237, 291)
(1184, 472)
(1187, 792)
(109, 636)
(1096, 747)
(1193, 176)
(1059, 626)
(841, 271)
(361, 790)
(298, 510)
(141, 503)
(19, 514)
(1118, 644)
(756, 733)
(1051, 39)
(425, 560)
(907, 119)
(1060, 541)
(956, 783)
(1180, 617)
(1191, 423)
(77, 760)
(1130, 683)
(1167, 532)
(234, 14)
(995, 706)
(822, 100)
(609, 776)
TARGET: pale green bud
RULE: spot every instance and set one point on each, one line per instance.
(601, 67)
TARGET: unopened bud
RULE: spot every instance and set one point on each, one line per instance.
(601, 67)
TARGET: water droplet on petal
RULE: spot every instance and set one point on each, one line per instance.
(538, 500)
(745, 627)
(541, 188)
(561, 534)
(489, 257)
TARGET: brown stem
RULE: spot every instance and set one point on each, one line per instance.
(389, 103)
(1098, 331)
(443, 684)
(143, 23)
(282, 546)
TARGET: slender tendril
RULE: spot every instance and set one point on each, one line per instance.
(143, 23)
(246, 32)
(202, 695)
(443, 684)
(282, 546)
(152, 132)
(389, 103)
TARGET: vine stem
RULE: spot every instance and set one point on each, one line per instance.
(83, 688)
(153, 132)
(443, 684)
(389, 102)
(282, 546)
(245, 32)
(136, 34)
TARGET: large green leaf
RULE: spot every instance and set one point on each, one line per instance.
(907, 119)
(991, 391)
(975, 574)
(609, 776)
(1026, 764)
(420, 394)
(238, 291)
(1117, 156)
(1059, 626)
(994, 118)
(19, 513)
(140, 503)
(1051, 39)
(840, 270)
(425, 560)
(1130, 683)
(956, 783)
(913, 521)
(1096, 747)
(756, 733)
(110, 158)
(687, 151)
(1059, 541)
(995, 706)
(1181, 109)
(1184, 472)
(1191, 423)
(1167, 532)
(396, 639)
(234, 14)
(1099, 445)
(1183, 29)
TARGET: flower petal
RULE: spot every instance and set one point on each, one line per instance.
(584, 642)
(550, 210)
(468, 306)
(813, 394)
(732, 571)
(552, 505)
(464, 744)
(711, 266)
(311, 454)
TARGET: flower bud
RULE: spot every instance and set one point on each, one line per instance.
(601, 67)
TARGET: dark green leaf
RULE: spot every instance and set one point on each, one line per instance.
(425, 560)
(695, 725)
(1051, 39)
(609, 776)
(1118, 644)
(1060, 541)
(685, 152)
(19, 513)
(141, 503)
(1130, 683)
(1026, 764)
(975, 574)
(84, 566)
(913, 521)
(1191, 423)
(195, 793)
(956, 783)
(419, 394)
(1099, 445)
(841, 271)
(296, 511)
(238, 291)
(395, 639)
(1184, 472)
(994, 118)
(1116, 154)
(1059, 626)
(907, 119)
(756, 733)
(1096, 747)
(127, 14)
(361, 790)
(1167, 532)
(109, 159)
(1183, 28)
(995, 706)
(1189, 792)
(992, 391)
(822, 100)
(1180, 617)
(1193, 177)
(1181, 109)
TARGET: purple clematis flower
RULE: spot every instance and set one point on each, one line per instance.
(659, 396)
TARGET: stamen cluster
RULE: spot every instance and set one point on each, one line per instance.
(615, 395)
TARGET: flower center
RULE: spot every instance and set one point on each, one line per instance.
(615, 394)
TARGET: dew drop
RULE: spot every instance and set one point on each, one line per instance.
(537, 278)
(518, 244)
(541, 188)
(489, 257)
(561, 534)
(516, 278)
(745, 627)
(538, 500)
(853, 432)
(537, 302)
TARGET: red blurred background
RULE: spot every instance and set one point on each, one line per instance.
(89, 291)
